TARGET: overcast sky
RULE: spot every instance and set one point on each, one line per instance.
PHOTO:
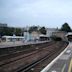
(48, 13)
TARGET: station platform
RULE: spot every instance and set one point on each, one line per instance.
(19, 43)
(62, 63)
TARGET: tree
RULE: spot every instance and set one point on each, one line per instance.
(10, 31)
(5, 31)
(18, 32)
(65, 27)
(42, 30)
(33, 28)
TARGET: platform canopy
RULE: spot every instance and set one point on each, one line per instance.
(43, 35)
(69, 33)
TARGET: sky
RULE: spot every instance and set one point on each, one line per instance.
(48, 13)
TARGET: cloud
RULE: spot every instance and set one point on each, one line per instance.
(35, 12)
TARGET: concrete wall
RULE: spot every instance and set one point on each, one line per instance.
(60, 34)
(50, 31)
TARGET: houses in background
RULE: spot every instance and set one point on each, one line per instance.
(31, 36)
(56, 32)
(30, 33)
(49, 31)
(35, 35)
(3, 25)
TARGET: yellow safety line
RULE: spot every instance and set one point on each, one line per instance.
(70, 66)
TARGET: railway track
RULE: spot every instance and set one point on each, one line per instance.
(17, 53)
(28, 67)
(25, 67)
(40, 66)
(9, 60)
(4, 63)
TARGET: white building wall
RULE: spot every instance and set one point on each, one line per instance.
(50, 31)
(26, 35)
